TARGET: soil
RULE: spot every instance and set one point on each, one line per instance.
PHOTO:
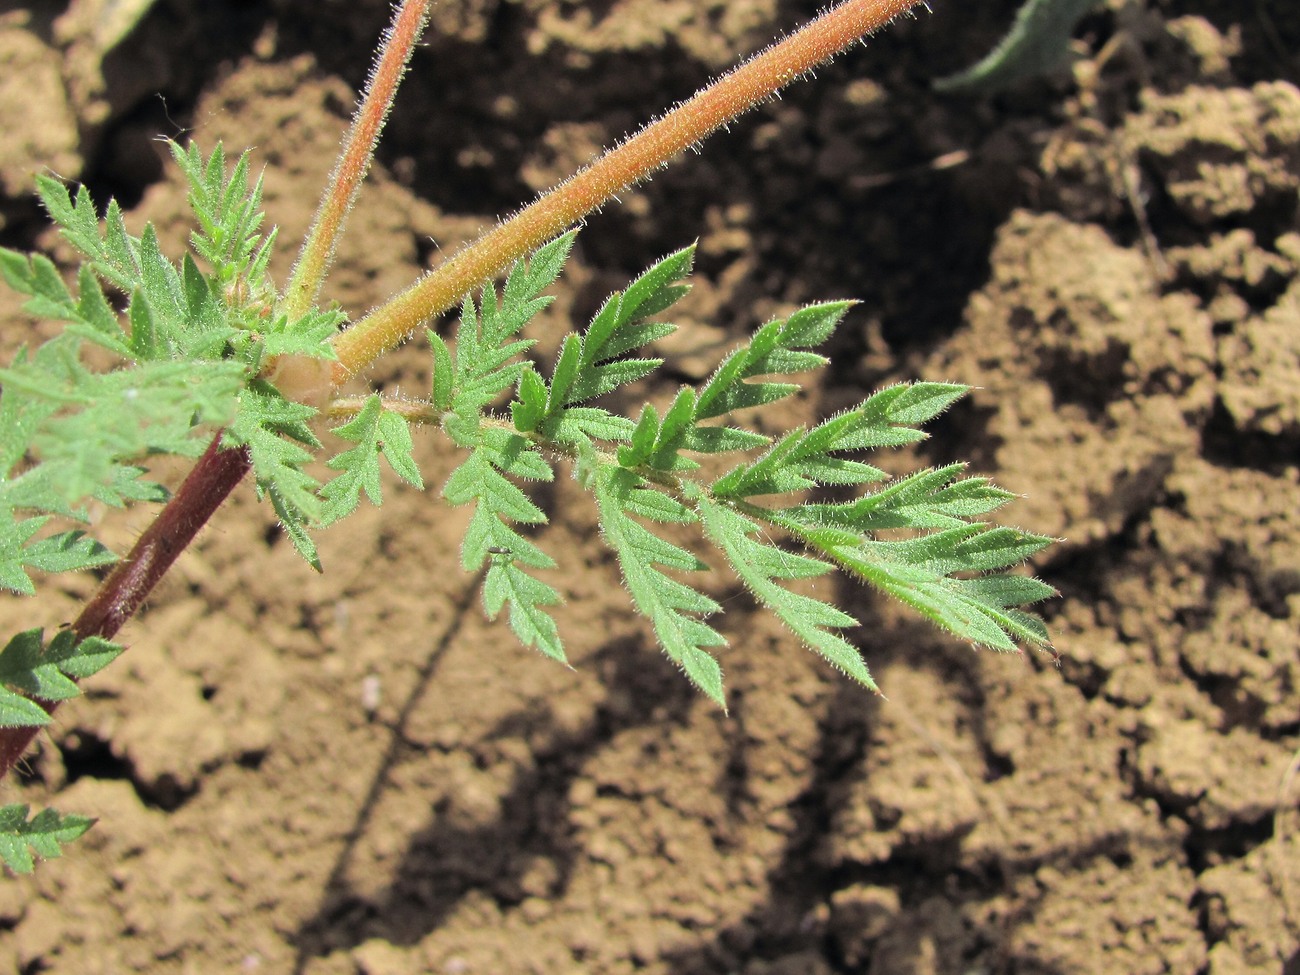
(354, 772)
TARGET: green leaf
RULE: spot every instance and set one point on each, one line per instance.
(375, 431)
(294, 522)
(489, 537)
(119, 260)
(70, 551)
(760, 564)
(14, 536)
(1037, 44)
(721, 440)
(643, 438)
(45, 835)
(911, 404)
(529, 409)
(590, 365)
(273, 428)
(801, 459)
(620, 326)
(79, 659)
(929, 499)
(919, 572)
(528, 278)
(308, 336)
(566, 372)
(770, 351)
(486, 360)
(443, 372)
(640, 476)
(657, 443)
(506, 584)
(481, 481)
(77, 220)
(95, 319)
(477, 480)
(37, 277)
(17, 711)
(101, 421)
(45, 672)
(675, 610)
(586, 423)
(228, 211)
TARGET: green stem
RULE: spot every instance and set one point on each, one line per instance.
(354, 161)
(626, 164)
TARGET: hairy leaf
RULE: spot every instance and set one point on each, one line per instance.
(675, 610)
(44, 834)
(46, 672)
(375, 431)
(481, 480)
(761, 564)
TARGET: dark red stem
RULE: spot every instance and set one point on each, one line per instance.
(133, 578)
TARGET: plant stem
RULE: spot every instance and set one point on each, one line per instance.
(213, 477)
(626, 164)
(218, 471)
(412, 410)
(354, 161)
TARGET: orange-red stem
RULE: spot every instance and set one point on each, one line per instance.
(354, 161)
(621, 167)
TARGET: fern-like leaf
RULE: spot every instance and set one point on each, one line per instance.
(192, 345)
(229, 216)
(491, 538)
(922, 572)
(802, 460)
(596, 362)
(949, 567)
(276, 434)
(46, 671)
(486, 361)
(760, 564)
(676, 611)
(778, 348)
(44, 835)
(375, 431)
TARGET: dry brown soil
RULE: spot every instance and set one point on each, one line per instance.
(355, 772)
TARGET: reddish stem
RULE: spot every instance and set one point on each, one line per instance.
(354, 161)
(625, 165)
(218, 471)
(119, 596)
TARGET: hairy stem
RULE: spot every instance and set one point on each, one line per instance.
(413, 411)
(218, 471)
(132, 579)
(626, 164)
(354, 161)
